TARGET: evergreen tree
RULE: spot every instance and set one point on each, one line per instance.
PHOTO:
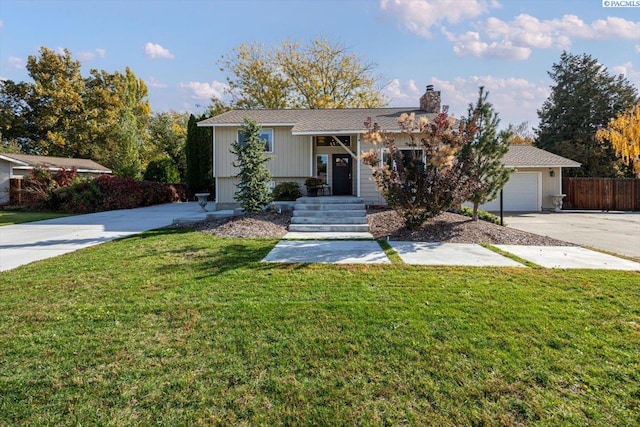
(483, 155)
(253, 190)
(199, 156)
(583, 99)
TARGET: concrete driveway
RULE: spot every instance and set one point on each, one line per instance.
(21, 244)
(617, 232)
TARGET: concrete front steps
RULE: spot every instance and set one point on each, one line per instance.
(329, 214)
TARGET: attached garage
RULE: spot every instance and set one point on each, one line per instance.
(523, 193)
(536, 179)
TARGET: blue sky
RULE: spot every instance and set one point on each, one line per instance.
(457, 45)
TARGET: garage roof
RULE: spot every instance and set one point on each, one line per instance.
(528, 156)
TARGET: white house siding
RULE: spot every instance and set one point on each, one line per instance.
(5, 183)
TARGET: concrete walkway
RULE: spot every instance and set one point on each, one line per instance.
(445, 254)
(22, 244)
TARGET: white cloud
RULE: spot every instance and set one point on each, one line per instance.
(87, 56)
(470, 44)
(496, 38)
(16, 62)
(153, 51)
(638, 48)
(1, 24)
(153, 82)
(205, 90)
(418, 16)
(516, 100)
(528, 31)
(629, 70)
(399, 94)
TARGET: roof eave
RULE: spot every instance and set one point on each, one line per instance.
(12, 160)
(543, 166)
(239, 124)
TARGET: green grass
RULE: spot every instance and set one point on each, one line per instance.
(8, 217)
(181, 328)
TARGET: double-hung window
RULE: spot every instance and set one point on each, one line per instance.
(266, 135)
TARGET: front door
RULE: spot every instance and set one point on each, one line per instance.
(342, 180)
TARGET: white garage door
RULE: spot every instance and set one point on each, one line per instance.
(521, 193)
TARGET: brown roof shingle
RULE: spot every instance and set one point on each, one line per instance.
(529, 156)
(48, 162)
(347, 120)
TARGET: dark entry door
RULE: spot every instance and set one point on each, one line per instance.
(342, 180)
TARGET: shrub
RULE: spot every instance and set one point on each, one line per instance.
(104, 193)
(40, 185)
(162, 170)
(415, 188)
(81, 197)
(312, 182)
(483, 215)
(286, 191)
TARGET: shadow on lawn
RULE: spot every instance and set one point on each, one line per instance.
(220, 256)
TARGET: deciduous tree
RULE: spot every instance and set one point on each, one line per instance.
(253, 189)
(322, 74)
(168, 137)
(57, 103)
(127, 161)
(15, 112)
(428, 178)
(584, 97)
(623, 133)
(520, 134)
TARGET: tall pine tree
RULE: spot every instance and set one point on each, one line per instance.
(583, 99)
(253, 189)
(483, 154)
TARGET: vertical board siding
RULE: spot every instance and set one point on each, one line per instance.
(606, 194)
(290, 157)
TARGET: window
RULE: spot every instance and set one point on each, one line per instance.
(266, 135)
(322, 162)
(407, 156)
(328, 141)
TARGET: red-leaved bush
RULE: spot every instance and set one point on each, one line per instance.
(68, 193)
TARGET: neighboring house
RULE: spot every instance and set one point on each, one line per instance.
(326, 143)
(16, 166)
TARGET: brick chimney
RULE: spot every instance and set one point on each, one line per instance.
(430, 101)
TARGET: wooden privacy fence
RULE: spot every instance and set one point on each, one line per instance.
(606, 194)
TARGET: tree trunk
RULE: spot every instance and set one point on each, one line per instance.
(475, 211)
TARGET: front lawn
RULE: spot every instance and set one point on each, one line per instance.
(8, 217)
(181, 328)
